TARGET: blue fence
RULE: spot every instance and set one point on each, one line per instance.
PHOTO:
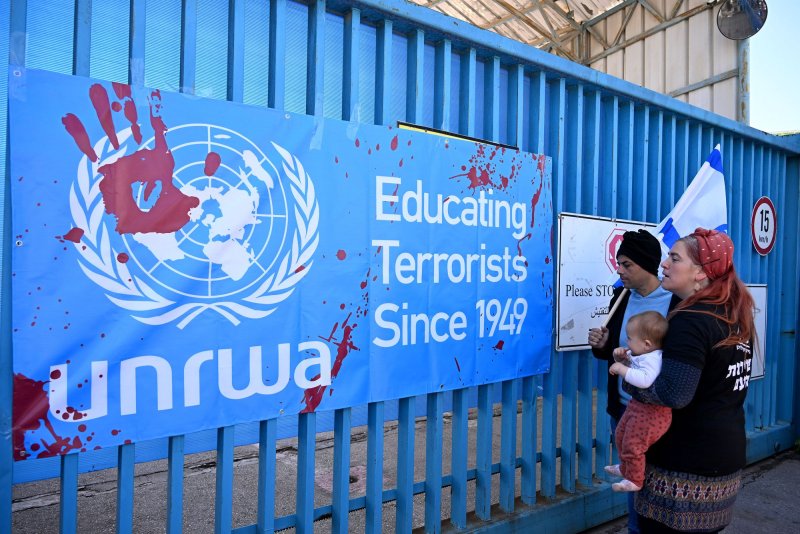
(618, 151)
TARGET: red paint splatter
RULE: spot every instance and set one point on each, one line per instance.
(300, 268)
(499, 345)
(30, 409)
(122, 257)
(114, 432)
(55, 374)
(341, 254)
(401, 162)
(547, 259)
(519, 243)
(99, 97)
(81, 428)
(213, 161)
(116, 106)
(313, 396)
(393, 145)
(76, 129)
(171, 210)
(535, 200)
(358, 143)
(133, 117)
(73, 235)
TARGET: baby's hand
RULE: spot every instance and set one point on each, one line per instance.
(618, 369)
(620, 354)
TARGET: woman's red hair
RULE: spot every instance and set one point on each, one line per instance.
(727, 292)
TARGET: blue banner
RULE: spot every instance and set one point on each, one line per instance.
(181, 264)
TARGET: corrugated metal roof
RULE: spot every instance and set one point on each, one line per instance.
(542, 23)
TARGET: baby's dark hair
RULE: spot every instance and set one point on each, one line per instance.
(651, 325)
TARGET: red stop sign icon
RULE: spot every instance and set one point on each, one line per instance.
(613, 242)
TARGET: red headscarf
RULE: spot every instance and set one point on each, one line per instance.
(716, 252)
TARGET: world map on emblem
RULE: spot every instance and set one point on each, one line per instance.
(234, 235)
(196, 218)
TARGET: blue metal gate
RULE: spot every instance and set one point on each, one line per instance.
(613, 145)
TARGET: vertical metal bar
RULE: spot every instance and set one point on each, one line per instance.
(591, 202)
(68, 511)
(654, 158)
(610, 157)
(16, 45)
(573, 160)
(483, 460)
(626, 156)
(383, 77)
(569, 392)
(405, 465)
(350, 79)
(136, 43)
(529, 440)
(491, 95)
(125, 466)
(549, 422)
(458, 460)
(18, 26)
(516, 105)
(777, 191)
(375, 420)
(223, 500)
(415, 82)
(466, 103)
(82, 38)
(747, 266)
(175, 485)
(433, 463)
(306, 441)
(603, 426)
(668, 157)
(315, 94)
(788, 370)
(341, 470)
(189, 46)
(538, 111)
(508, 445)
(441, 86)
(277, 54)
(585, 449)
(235, 80)
(265, 514)
(557, 137)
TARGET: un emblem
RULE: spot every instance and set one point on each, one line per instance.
(210, 223)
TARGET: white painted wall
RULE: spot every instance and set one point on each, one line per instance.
(689, 52)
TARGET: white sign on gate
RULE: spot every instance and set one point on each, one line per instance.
(587, 265)
(759, 293)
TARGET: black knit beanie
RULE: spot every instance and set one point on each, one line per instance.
(642, 248)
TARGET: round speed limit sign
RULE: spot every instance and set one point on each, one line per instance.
(764, 225)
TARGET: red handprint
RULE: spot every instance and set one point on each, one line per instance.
(147, 166)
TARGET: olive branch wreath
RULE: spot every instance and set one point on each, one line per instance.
(98, 258)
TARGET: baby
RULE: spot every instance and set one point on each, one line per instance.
(641, 424)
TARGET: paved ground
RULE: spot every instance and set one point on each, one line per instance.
(768, 502)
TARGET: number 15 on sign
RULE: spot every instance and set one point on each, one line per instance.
(764, 225)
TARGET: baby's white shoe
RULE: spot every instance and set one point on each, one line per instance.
(625, 485)
(613, 470)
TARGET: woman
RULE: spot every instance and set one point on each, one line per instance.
(694, 470)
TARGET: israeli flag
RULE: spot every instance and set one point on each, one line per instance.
(702, 205)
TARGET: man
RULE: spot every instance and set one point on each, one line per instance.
(638, 259)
